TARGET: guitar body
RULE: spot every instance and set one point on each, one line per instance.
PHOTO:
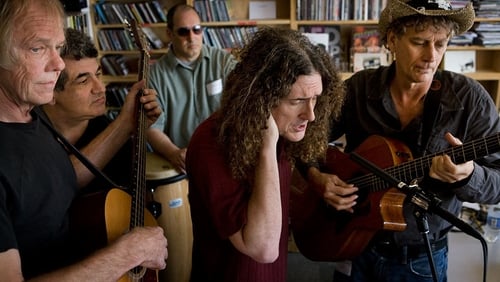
(322, 233)
(100, 218)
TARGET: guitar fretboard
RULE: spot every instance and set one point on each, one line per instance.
(138, 184)
(417, 168)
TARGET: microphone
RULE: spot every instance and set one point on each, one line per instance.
(425, 200)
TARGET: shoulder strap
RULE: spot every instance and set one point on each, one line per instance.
(431, 107)
(74, 150)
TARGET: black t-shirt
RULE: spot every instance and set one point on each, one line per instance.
(37, 186)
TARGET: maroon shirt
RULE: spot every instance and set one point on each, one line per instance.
(219, 209)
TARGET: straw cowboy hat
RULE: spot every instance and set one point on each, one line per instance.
(401, 8)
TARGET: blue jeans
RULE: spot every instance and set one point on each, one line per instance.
(370, 266)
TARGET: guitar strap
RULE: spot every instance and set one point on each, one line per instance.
(431, 106)
(61, 139)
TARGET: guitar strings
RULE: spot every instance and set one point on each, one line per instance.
(413, 169)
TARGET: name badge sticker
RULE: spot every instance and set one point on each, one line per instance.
(214, 87)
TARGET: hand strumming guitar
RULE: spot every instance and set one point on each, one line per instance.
(335, 192)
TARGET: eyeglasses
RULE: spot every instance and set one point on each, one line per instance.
(185, 31)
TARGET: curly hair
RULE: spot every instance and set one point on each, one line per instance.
(420, 23)
(269, 65)
(78, 46)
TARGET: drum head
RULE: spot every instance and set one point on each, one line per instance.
(159, 171)
(158, 167)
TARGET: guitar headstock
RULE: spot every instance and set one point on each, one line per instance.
(141, 42)
(138, 35)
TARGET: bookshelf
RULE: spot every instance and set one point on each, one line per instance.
(288, 14)
(112, 38)
(233, 30)
(80, 21)
(118, 54)
(487, 58)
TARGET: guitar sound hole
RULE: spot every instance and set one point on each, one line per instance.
(137, 273)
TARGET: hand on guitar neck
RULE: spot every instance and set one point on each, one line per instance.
(443, 168)
(336, 192)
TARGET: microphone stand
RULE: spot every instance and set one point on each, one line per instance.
(425, 202)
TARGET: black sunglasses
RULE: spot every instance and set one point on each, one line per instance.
(185, 31)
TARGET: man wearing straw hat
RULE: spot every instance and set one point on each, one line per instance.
(429, 110)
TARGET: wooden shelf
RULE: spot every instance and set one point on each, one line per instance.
(483, 75)
(109, 26)
(132, 52)
(119, 79)
(247, 23)
(340, 23)
(474, 47)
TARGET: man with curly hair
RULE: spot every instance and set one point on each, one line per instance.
(275, 108)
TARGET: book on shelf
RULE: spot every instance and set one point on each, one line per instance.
(262, 10)
(80, 21)
(117, 13)
(115, 65)
(362, 61)
(334, 48)
(212, 10)
(488, 34)
(158, 11)
(319, 39)
(461, 61)
(339, 10)
(459, 4)
(115, 95)
(228, 37)
(365, 39)
(115, 40)
(464, 39)
(107, 67)
(487, 8)
(153, 39)
(366, 49)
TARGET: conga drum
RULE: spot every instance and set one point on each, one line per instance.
(170, 189)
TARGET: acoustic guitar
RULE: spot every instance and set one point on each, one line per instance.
(322, 233)
(108, 215)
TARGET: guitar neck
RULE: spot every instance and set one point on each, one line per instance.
(417, 168)
(138, 184)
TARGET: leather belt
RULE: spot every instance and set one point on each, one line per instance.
(388, 249)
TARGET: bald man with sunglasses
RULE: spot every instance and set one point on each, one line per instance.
(189, 80)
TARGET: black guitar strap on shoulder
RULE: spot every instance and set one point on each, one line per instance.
(97, 172)
(431, 106)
